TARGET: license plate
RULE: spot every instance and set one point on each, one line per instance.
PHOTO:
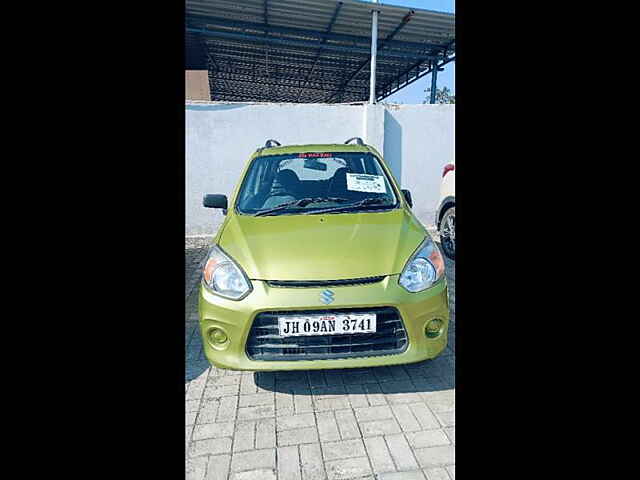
(340, 324)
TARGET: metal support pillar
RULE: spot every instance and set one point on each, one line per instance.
(434, 80)
(374, 55)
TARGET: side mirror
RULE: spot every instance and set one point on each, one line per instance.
(211, 200)
(407, 197)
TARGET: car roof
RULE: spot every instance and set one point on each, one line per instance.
(317, 147)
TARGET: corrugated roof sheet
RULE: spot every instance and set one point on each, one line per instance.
(311, 50)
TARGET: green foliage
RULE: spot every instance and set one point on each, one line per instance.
(443, 95)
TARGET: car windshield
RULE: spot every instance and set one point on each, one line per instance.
(305, 183)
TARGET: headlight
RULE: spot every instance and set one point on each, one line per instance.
(424, 268)
(223, 276)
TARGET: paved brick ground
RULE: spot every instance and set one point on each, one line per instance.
(385, 423)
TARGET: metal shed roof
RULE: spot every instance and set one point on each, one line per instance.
(312, 50)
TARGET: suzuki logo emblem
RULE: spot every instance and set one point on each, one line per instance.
(326, 297)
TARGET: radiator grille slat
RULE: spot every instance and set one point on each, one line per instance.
(265, 343)
(323, 283)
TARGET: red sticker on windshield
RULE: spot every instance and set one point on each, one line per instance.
(313, 155)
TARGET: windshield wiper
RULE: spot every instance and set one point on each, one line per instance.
(353, 206)
(300, 203)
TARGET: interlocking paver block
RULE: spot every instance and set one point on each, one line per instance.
(297, 436)
(224, 379)
(266, 381)
(247, 383)
(383, 374)
(208, 411)
(244, 436)
(343, 449)
(218, 467)
(437, 473)
(213, 430)
(190, 418)
(400, 392)
(212, 446)
(266, 433)
(288, 463)
(296, 421)
(327, 427)
(379, 455)
(214, 390)
(448, 418)
(195, 392)
(254, 413)
(440, 401)
(327, 404)
(316, 378)
(291, 376)
(227, 409)
(373, 413)
(426, 419)
(302, 403)
(347, 468)
(284, 404)
(451, 433)
(399, 372)
(357, 396)
(254, 460)
(334, 377)
(413, 475)
(359, 378)
(334, 391)
(379, 427)
(401, 452)
(427, 438)
(311, 462)
(347, 424)
(407, 420)
(374, 394)
(261, 473)
(257, 399)
(435, 456)
(196, 468)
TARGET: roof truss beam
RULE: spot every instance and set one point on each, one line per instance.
(214, 23)
(389, 89)
(242, 37)
(381, 45)
(315, 61)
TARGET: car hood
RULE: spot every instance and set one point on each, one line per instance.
(322, 246)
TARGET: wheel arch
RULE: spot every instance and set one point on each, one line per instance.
(447, 203)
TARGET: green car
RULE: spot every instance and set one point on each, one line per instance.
(320, 263)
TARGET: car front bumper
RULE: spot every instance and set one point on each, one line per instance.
(236, 317)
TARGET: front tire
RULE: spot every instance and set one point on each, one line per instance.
(448, 233)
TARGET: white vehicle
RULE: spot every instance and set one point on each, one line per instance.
(446, 214)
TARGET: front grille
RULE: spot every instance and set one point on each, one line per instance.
(265, 342)
(323, 283)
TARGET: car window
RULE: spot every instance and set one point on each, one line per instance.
(305, 182)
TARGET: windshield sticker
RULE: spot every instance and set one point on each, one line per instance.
(359, 182)
(314, 155)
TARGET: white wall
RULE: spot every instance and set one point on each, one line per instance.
(419, 141)
(416, 140)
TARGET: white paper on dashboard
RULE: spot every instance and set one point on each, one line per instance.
(360, 182)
